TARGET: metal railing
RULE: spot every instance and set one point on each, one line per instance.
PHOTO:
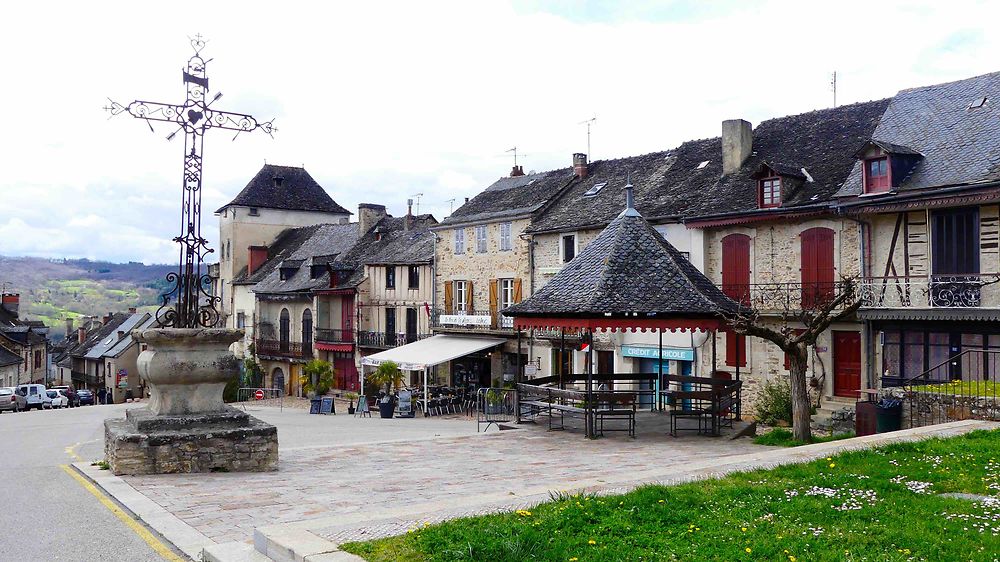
(962, 387)
(471, 321)
(260, 397)
(280, 348)
(387, 339)
(494, 406)
(932, 291)
(781, 297)
(334, 335)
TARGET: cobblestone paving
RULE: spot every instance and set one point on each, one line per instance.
(356, 486)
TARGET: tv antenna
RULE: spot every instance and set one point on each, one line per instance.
(418, 196)
(833, 87)
(588, 123)
(514, 150)
(451, 205)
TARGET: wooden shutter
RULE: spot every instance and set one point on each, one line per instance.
(736, 345)
(494, 298)
(736, 267)
(517, 290)
(449, 297)
(468, 297)
(817, 269)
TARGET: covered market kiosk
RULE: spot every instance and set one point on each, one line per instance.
(423, 355)
(628, 278)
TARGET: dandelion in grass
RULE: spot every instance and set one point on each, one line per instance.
(591, 542)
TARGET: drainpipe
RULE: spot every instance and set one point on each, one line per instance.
(868, 347)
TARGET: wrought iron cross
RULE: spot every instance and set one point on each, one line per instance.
(194, 305)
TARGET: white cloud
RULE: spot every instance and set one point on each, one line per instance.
(382, 101)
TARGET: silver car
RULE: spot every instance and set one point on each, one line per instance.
(11, 401)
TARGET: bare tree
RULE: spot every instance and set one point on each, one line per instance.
(812, 310)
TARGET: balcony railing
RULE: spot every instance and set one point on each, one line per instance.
(472, 321)
(387, 339)
(784, 297)
(934, 291)
(289, 349)
(334, 335)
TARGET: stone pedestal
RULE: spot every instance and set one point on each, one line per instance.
(187, 427)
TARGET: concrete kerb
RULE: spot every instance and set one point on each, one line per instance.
(174, 531)
(402, 518)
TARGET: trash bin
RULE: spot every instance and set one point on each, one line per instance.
(888, 415)
(864, 418)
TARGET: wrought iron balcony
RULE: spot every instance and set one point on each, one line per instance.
(784, 297)
(281, 348)
(934, 291)
(334, 335)
(477, 321)
(386, 340)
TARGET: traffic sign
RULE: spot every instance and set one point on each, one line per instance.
(259, 394)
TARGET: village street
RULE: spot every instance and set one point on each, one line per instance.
(48, 514)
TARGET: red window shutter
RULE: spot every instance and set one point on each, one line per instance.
(736, 267)
(817, 269)
(736, 345)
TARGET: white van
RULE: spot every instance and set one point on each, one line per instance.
(34, 395)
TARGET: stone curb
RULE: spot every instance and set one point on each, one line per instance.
(176, 532)
(282, 544)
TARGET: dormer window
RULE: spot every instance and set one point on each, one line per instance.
(769, 192)
(877, 175)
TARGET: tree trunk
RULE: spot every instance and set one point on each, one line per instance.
(800, 394)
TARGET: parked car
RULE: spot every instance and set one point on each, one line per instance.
(10, 400)
(57, 398)
(85, 397)
(34, 395)
(71, 395)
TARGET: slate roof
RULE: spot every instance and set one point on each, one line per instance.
(511, 197)
(111, 339)
(298, 191)
(98, 335)
(395, 246)
(127, 341)
(629, 269)
(960, 144)
(7, 358)
(296, 248)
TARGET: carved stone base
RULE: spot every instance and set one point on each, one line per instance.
(224, 441)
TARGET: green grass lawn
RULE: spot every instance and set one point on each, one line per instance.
(967, 388)
(871, 505)
(782, 437)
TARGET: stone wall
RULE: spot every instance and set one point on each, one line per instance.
(480, 268)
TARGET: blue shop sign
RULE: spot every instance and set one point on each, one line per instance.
(669, 353)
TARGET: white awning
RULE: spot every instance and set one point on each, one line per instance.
(434, 350)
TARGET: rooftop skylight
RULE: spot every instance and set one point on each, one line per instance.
(596, 189)
(703, 164)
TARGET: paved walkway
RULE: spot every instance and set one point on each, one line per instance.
(357, 470)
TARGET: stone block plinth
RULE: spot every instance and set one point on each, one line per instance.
(225, 441)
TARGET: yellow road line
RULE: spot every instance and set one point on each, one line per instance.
(154, 543)
(71, 451)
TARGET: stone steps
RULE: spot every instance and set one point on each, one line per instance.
(831, 414)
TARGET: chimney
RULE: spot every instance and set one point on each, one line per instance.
(81, 334)
(258, 255)
(517, 171)
(580, 165)
(69, 328)
(121, 334)
(106, 319)
(368, 216)
(409, 215)
(131, 310)
(11, 302)
(737, 144)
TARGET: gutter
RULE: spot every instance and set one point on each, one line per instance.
(914, 195)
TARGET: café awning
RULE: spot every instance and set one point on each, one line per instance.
(434, 350)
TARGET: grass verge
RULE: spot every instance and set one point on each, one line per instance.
(881, 504)
(782, 437)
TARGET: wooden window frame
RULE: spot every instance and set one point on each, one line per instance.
(775, 195)
(461, 296)
(505, 288)
(413, 277)
(865, 172)
(562, 247)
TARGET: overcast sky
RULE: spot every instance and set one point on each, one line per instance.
(382, 101)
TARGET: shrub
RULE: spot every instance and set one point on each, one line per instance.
(775, 403)
(317, 376)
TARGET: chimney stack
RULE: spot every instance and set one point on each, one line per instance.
(131, 310)
(409, 215)
(106, 319)
(81, 334)
(11, 302)
(368, 216)
(517, 171)
(258, 255)
(69, 328)
(580, 165)
(737, 144)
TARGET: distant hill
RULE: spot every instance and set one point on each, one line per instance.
(52, 290)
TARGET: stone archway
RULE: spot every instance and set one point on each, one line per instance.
(278, 379)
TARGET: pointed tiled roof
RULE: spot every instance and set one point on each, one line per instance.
(285, 187)
(628, 271)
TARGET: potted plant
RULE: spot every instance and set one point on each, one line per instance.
(352, 396)
(316, 378)
(387, 376)
(494, 401)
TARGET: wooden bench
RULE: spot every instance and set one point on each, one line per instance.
(713, 408)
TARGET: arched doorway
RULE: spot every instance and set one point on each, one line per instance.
(278, 379)
(307, 332)
(284, 330)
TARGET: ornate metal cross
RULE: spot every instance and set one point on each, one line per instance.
(194, 305)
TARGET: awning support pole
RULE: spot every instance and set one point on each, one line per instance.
(711, 369)
(517, 381)
(659, 378)
(426, 394)
(591, 433)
